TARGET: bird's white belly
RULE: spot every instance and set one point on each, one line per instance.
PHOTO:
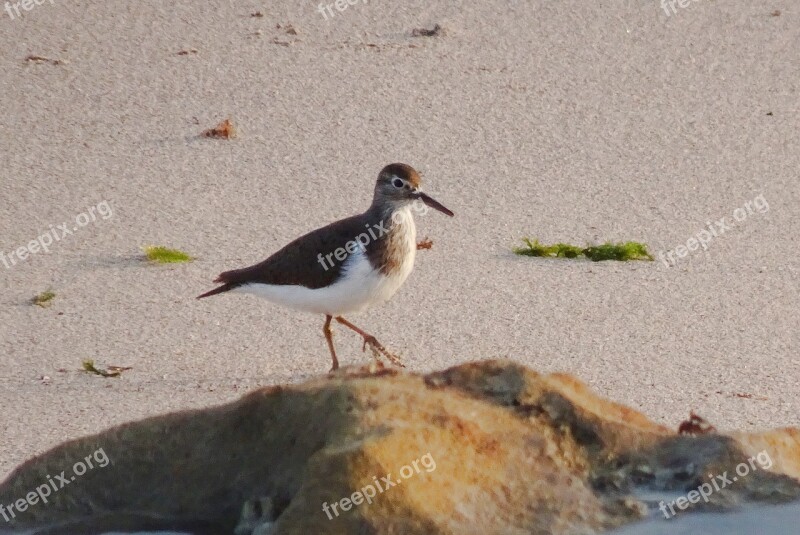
(360, 286)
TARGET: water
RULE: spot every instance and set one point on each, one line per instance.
(772, 520)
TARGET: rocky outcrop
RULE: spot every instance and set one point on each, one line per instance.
(488, 447)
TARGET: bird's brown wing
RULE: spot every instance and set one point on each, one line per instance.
(298, 263)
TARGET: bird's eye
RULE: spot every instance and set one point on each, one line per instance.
(397, 183)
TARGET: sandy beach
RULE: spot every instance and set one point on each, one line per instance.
(569, 121)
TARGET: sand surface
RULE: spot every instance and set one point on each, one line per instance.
(566, 121)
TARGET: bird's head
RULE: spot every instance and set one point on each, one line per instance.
(399, 185)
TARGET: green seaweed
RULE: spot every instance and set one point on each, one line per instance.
(164, 255)
(111, 371)
(629, 250)
(558, 250)
(624, 251)
(44, 299)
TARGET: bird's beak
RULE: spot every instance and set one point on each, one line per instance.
(433, 203)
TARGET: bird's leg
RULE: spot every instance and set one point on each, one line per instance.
(372, 342)
(329, 337)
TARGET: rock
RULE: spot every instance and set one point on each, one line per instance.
(488, 447)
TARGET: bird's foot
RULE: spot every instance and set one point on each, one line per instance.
(379, 351)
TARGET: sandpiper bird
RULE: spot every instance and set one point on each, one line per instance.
(348, 265)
